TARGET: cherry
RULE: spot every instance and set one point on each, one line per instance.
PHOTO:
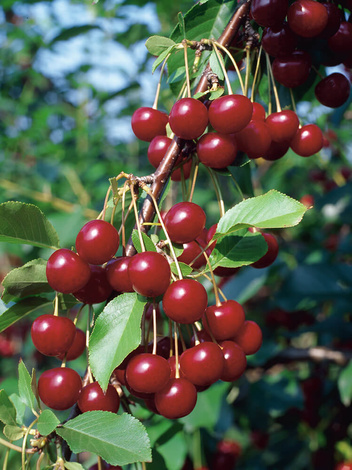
(117, 274)
(52, 335)
(216, 150)
(202, 336)
(77, 347)
(344, 466)
(97, 288)
(191, 251)
(341, 41)
(235, 361)
(307, 18)
(334, 21)
(147, 373)
(250, 337)
(333, 91)
(258, 112)
(292, 70)
(185, 301)
(92, 398)
(254, 139)
(283, 125)
(269, 12)
(271, 255)
(66, 272)
(148, 123)
(59, 388)
(276, 150)
(226, 455)
(177, 399)
(307, 141)
(224, 320)
(97, 242)
(149, 273)
(188, 118)
(157, 149)
(202, 364)
(172, 363)
(279, 41)
(231, 113)
(184, 222)
(182, 171)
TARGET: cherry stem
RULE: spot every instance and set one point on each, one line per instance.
(215, 181)
(293, 101)
(216, 293)
(170, 337)
(56, 305)
(184, 347)
(256, 73)
(248, 61)
(194, 179)
(102, 214)
(100, 466)
(221, 62)
(39, 461)
(177, 372)
(137, 219)
(218, 288)
(185, 49)
(124, 217)
(24, 442)
(237, 186)
(156, 99)
(234, 63)
(154, 328)
(196, 339)
(11, 446)
(270, 72)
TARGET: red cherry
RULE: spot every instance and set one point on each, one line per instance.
(271, 255)
(149, 273)
(307, 141)
(224, 320)
(184, 222)
(307, 18)
(333, 91)
(66, 272)
(148, 123)
(157, 149)
(258, 112)
(92, 398)
(250, 337)
(216, 150)
(292, 70)
(147, 373)
(191, 251)
(231, 113)
(172, 363)
(185, 301)
(283, 125)
(279, 41)
(177, 399)
(341, 41)
(334, 20)
(52, 335)
(117, 274)
(182, 171)
(59, 388)
(344, 466)
(276, 150)
(77, 347)
(97, 242)
(188, 118)
(202, 364)
(97, 288)
(269, 12)
(254, 139)
(235, 361)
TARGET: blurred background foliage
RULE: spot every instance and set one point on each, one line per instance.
(71, 74)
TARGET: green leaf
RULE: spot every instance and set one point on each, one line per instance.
(73, 466)
(7, 409)
(47, 422)
(270, 210)
(29, 279)
(344, 384)
(118, 439)
(25, 386)
(13, 433)
(73, 32)
(215, 65)
(158, 44)
(178, 249)
(149, 245)
(181, 24)
(185, 269)
(21, 309)
(116, 333)
(26, 224)
(162, 57)
(20, 407)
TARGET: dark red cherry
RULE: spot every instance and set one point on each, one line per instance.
(271, 255)
(52, 335)
(216, 150)
(193, 251)
(279, 41)
(157, 149)
(188, 118)
(148, 123)
(202, 364)
(341, 41)
(307, 18)
(269, 12)
(185, 301)
(147, 373)
(77, 347)
(149, 273)
(66, 272)
(333, 91)
(292, 70)
(224, 320)
(334, 20)
(276, 150)
(182, 170)
(172, 363)
(235, 361)
(258, 112)
(283, 125)
(97, 288)
(184, 222)
(307, 141)
(92, 398)
(177, 399)
(231, 113)
(59, 388)
(117, 274)
(254, 139)
(250, 337)
(97, 242)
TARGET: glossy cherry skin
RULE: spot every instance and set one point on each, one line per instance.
(149, 273)
(184, 222)
(177, 399)
(292, 70)
(182, 170)
(117, 274)
(188, 118)
(147, 373)
(334, 20)
(271, 255)
(148, 123)
(258, 112)
(307, 141)
(97, 288)
(235, 361)
(283, 125)
(224, 320)
(97, 242)
(276, 150)
(185, 301)
(341, 41)
(249, 338)
(59, 388)
(92, 398)
(231, 113)
(66, 272)
(202, 364)
(254, 139)
(193, 251)
(269, 12)
(157, 149)
(52, 335)
(77, 348)
(307, 18)
(279, 41)
(333, 91)
(216, 150)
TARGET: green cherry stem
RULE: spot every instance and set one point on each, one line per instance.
(185, 49)
(255, 77)
(157, 93)
(223, 48)
(217, 188)
(270, 72)
(221, 62)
